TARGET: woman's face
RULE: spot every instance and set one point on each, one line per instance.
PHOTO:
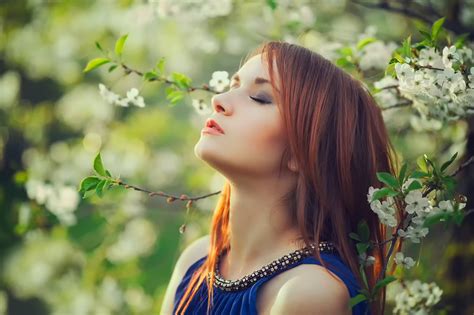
(253, 139)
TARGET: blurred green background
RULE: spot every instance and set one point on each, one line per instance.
(61, 254)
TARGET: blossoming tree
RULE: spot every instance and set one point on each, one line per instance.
(424, 84)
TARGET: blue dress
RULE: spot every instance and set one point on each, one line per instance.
(244, 301)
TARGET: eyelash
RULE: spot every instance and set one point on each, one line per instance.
(259, 100)
(253, 98)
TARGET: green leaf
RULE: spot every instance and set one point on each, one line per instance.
(406, 47)
(428, 161)
(426, 34)
(446, 164)
(388, 179)
(365, 41)
(345, 63)
(401, 175)
(383, 282)
(98, 166)
(422, 164)
(181, 80)
(356, 300)
(363, 231)
(100, 187)
(399, 58)
(98, 46)
(112, 68)
(175, 96)
(108, 173)
(362, 247)
(461, 40)
(423, 44)
(450, 184)
(436, 28)
(414, 185)
(108, 184)
(95, 63)
(390, 70)
(419, 174)
(87, 184)
(354, 236)
(458, 217)
(160, 65)
(150, 76)
(272, 4)
(435, 218)
(119, 44)
(384, 192)
(346, 51)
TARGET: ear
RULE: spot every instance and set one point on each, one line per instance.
(292, 165)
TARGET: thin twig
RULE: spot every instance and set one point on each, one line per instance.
(163, 194)
(129, 70)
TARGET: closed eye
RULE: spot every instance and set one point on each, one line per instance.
(260, 101)
(253, 98)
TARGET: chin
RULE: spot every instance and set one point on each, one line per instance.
(204, 151)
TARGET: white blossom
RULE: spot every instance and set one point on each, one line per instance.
(465, 54)
(61, 200)
(385, 211)
(201, 107)
(449, 54)
(404, 72)
(376, 55)
(136, 240)
(109, 96)
(371, 193)
(429, 57)
(439, 94)
(406, 262)
(220, 80)
(417, 298)
(192, 9)
(138, 300)
(31, 268)
(471, 77)
(134, 98)
(366, 260)
(416, 202)
(413, 233)
(385, 81)
(112, 98)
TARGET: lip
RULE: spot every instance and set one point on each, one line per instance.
(210, 123)
(211, 131)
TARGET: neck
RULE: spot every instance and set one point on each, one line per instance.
(261, 228)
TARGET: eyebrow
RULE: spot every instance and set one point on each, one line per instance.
(258, 80)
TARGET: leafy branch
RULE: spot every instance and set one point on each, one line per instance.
(435, 179)
(178, 83)
(103, 180)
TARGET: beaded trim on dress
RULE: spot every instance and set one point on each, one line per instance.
(276, 265)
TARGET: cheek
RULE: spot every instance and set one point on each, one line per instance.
(263, 139)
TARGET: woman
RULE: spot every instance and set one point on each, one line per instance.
(299, 142)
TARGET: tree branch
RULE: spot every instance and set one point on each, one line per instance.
(426, 14)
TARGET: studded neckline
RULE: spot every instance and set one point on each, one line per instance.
(281, 263)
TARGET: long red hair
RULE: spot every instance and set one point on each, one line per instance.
(336, 134)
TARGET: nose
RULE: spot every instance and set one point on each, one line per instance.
(219, 104)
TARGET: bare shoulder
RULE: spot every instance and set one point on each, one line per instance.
(194, 251)
(312, 290)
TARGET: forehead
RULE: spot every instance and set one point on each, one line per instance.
(256, 66)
